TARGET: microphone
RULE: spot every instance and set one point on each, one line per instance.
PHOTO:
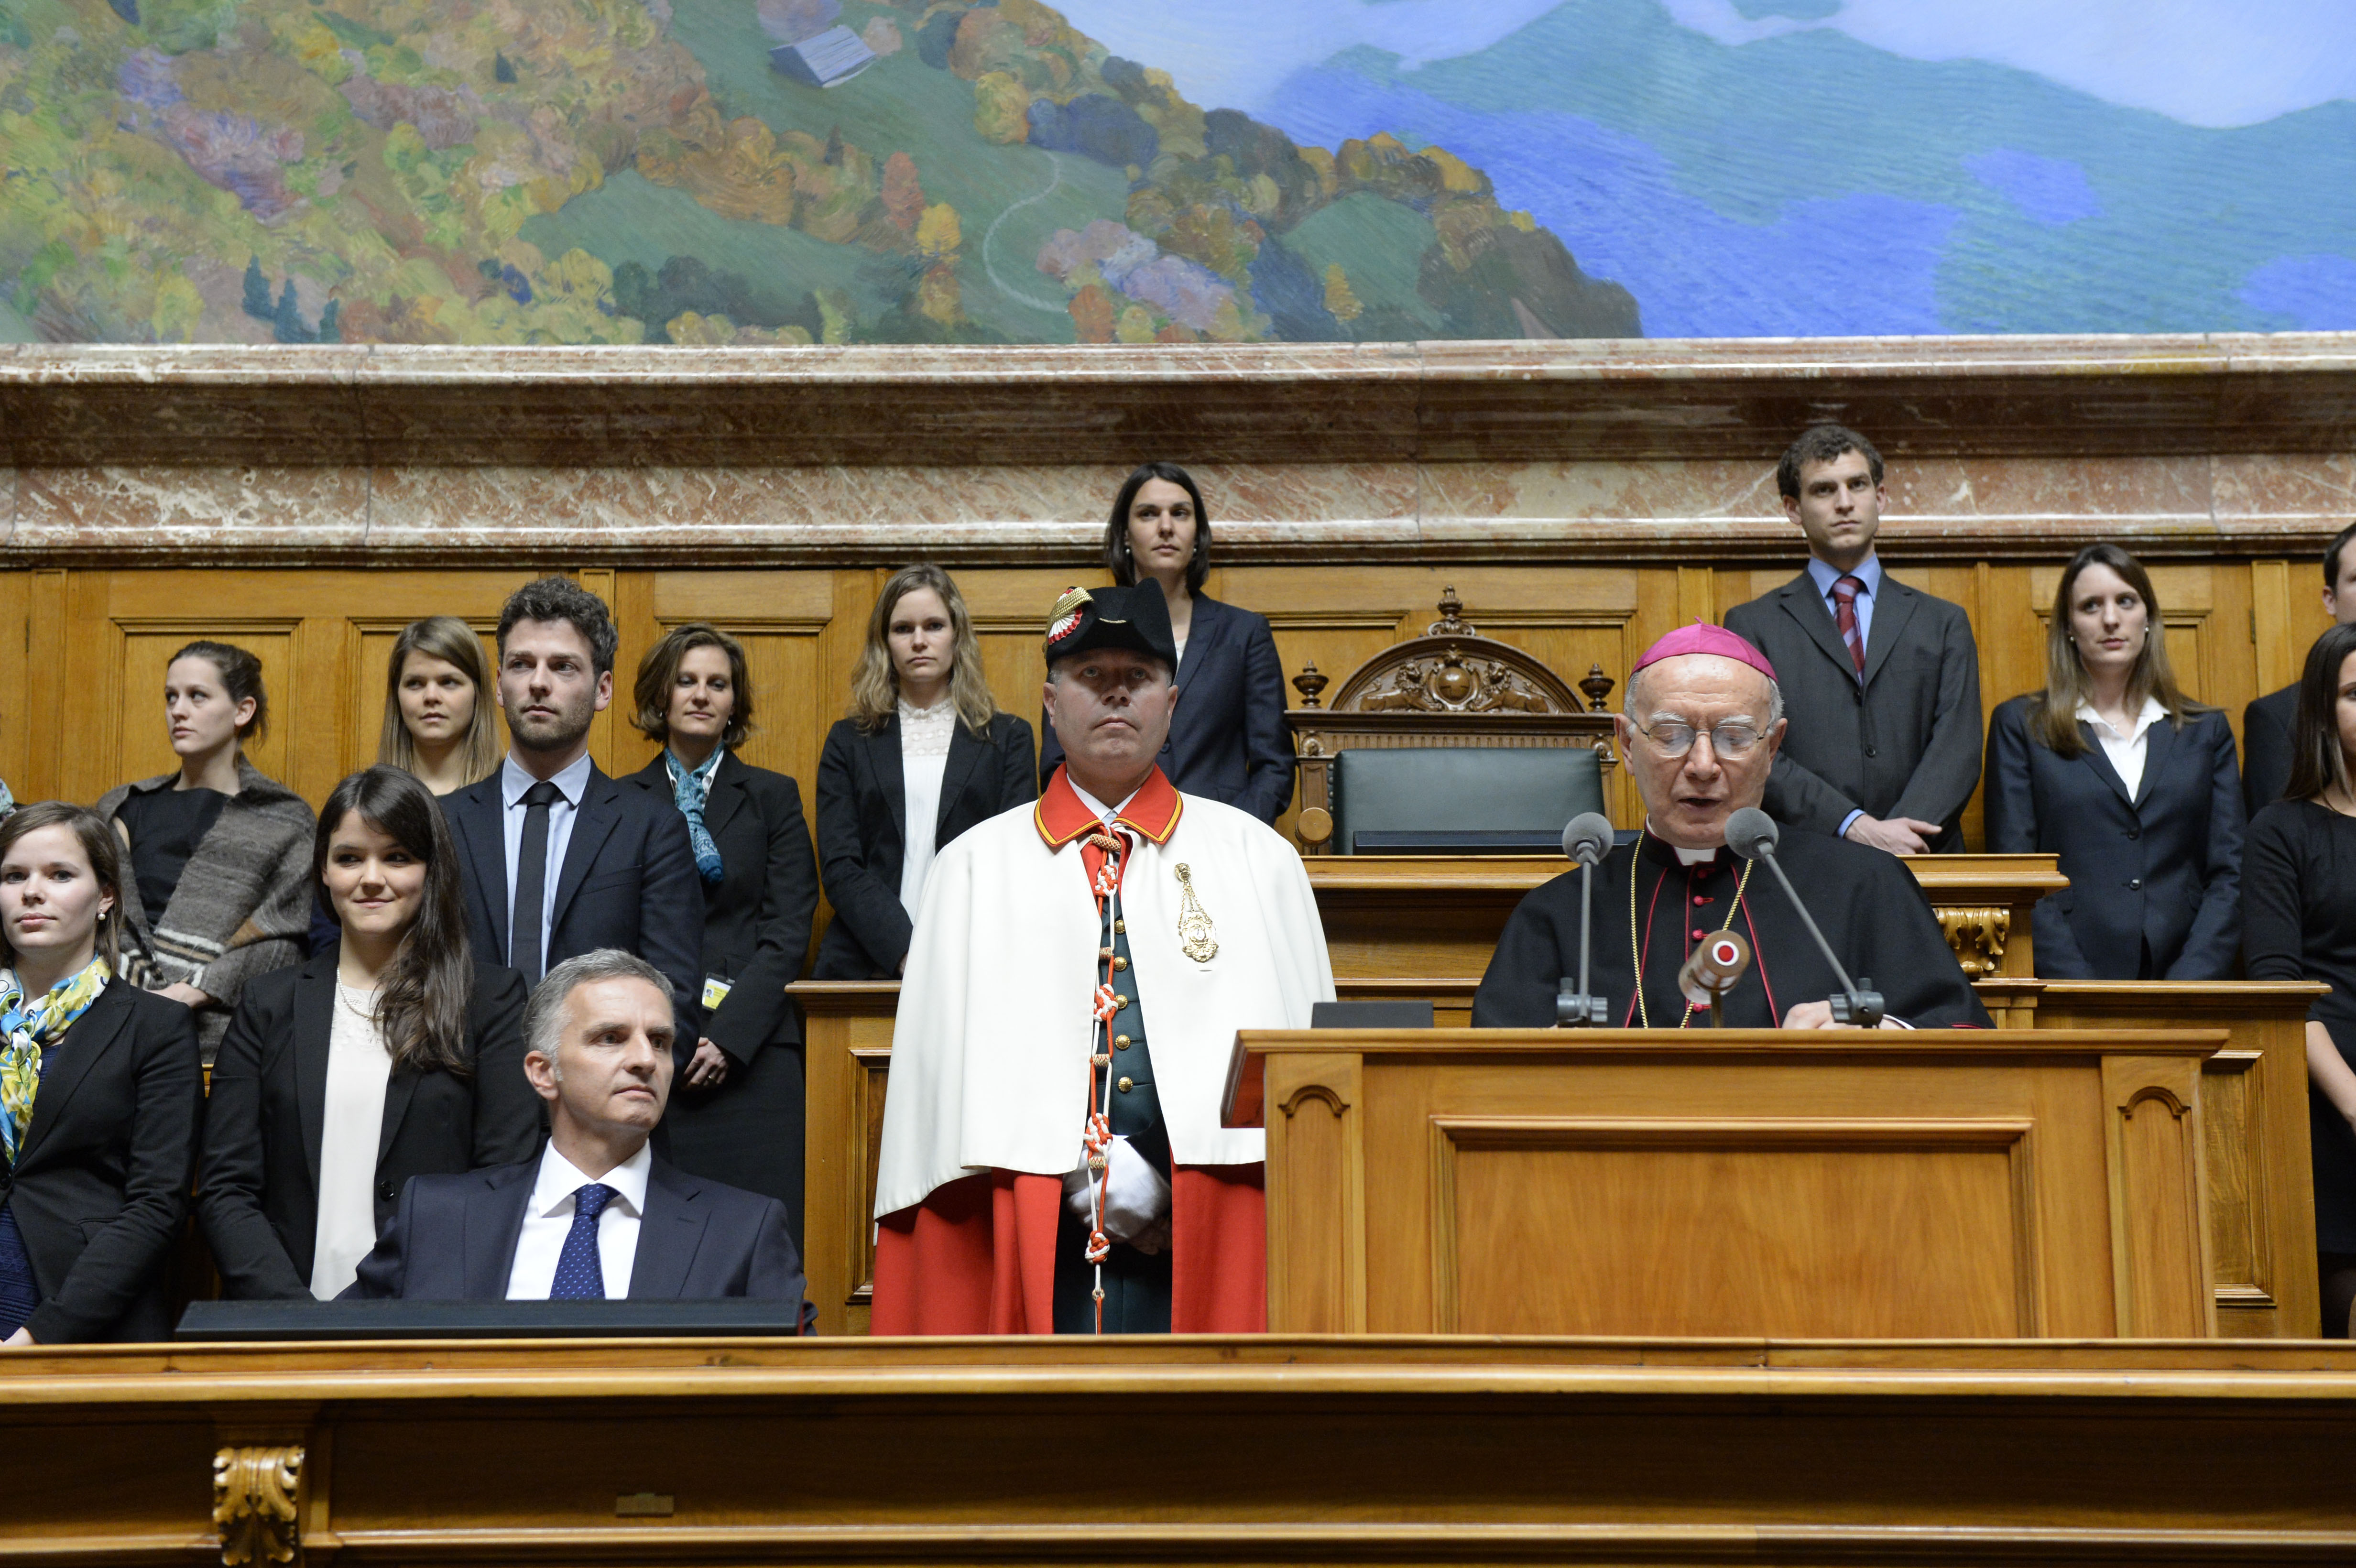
(1751, 834)
(1712, 971)
(1587, 839)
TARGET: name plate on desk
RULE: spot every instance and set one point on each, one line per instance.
(246, 1321)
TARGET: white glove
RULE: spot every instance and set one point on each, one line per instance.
(1137, 1198)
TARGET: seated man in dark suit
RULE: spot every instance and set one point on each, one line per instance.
(596, 1217)
(558, 858)
(1883, 682)
(2266, 723)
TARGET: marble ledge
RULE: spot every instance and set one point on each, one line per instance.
(875, 405)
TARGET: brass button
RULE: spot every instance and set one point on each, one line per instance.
(1125, 1086)
(1120, 1042)
(1118, 964)
(1121, 928)
(1118, 1001)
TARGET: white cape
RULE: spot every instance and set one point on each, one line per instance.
(989, 1050)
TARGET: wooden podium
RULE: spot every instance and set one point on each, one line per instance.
(1946, 1184)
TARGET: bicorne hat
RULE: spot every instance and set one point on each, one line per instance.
(1136, 618)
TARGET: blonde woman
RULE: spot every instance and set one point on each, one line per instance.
(437, 724)
(923, 757)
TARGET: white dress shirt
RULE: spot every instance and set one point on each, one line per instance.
(548, 1219)
(2127, 752)
(513, 782)
(349, 1133)
(925, 737)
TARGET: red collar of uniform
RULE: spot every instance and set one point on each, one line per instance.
(1062, 818)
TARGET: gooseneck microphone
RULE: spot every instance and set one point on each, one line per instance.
(1710, 973)
(1586, 840)
(1751, 834)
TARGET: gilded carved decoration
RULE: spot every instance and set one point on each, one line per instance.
(1979, 937)
(254, 1504)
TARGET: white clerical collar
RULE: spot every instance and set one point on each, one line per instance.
(1104, 813)
(1685, 857)
(560, 1178)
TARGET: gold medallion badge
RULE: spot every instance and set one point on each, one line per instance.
(1196, 938)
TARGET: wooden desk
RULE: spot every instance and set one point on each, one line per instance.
(1265, 1450)
(1392, 917)
(1933, 1184)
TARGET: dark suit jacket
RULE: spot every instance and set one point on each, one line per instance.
(454, 1239)
(628, 882)
(862, 808)
(2267, 748)
(1907, 744)
(2164, 868)
(1228, 740)
(258, 1197)
(757, 923)
(101, 1182)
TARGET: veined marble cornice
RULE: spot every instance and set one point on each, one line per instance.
(2232, 444)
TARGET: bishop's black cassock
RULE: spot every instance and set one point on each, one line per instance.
(1869, 906)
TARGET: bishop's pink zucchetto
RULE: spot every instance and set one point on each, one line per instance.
(1703, 638)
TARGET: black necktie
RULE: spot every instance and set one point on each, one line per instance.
(532, 883)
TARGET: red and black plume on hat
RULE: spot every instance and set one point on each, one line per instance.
(1136, 618)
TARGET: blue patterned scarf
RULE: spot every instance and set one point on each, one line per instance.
(690, 787)
(28, 1026)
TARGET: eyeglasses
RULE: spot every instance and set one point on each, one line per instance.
(1675, 738)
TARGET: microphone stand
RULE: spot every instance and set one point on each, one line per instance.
(1581, 1010)
(1853, 1006)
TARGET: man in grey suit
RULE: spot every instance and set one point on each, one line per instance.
(2267, 723)
(1881, 682)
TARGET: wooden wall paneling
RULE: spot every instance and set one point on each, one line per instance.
(2286, 617)
(16, 655)
(608, 730)
(782, 618)
(49, 617)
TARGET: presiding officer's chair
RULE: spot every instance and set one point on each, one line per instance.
(1449, 743)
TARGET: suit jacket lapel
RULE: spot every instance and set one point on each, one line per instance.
(315, 1023)
(492, 1226)
(1889, 617)
(92, 1036)
(669, 1233)
(2158, 741)
(600, 810)
(473, 816)
(1801, 601)
(883, 756)
(2095, 757)
(1201, 637)
(727, 796)
(964, 752)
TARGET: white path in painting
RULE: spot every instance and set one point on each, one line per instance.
(989, 259)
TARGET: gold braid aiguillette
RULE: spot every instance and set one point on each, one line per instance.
(1196, 938)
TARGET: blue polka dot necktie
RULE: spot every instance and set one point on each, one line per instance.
(580, 1274)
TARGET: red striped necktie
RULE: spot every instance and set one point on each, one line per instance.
(1845, 592)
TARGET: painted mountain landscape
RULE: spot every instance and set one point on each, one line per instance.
(848, 171)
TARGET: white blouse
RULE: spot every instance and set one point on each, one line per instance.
(358, 1067)
(924, 757)
(2127, 752)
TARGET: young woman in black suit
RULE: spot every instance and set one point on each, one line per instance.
(1228, 740)
(922, 731)
(736, 1111)
(100, 1093)
(389, 1054)
(2131, 784)
(2298, 885)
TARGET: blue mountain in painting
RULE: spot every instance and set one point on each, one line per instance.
(1808, 184)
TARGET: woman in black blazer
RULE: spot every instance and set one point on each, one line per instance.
(100, 1090)
(922, 727)
(2131, 785)
(1228, 740)
(736, 1111)
(391, 1054)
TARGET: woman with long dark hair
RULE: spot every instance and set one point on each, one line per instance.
(2130, 782)
(391, 1054)
(217, 893)
(924, 755)
(736, 1112)
(1228, 740)
(100, 1095)
(2298, 894)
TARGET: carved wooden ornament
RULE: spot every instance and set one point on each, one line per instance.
(254, 1504)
